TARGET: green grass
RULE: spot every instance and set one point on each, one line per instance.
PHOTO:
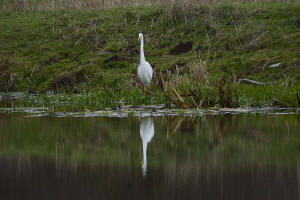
(95, 52)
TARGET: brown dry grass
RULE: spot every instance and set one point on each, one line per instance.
(198, 71)
(170, 6)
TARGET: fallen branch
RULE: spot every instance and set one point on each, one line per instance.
(245, 80)
(275, 65)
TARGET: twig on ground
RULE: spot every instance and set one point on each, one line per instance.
(245, 80)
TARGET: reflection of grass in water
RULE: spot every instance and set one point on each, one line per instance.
(227, 140)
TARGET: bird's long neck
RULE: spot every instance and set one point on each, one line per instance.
(142, 50)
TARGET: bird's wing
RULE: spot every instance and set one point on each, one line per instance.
(150, 70)
(138, 69)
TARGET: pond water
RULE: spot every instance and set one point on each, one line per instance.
(223, 156)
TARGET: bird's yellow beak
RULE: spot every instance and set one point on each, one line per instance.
(139, 37)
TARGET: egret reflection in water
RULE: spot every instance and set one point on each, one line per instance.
(146, 133)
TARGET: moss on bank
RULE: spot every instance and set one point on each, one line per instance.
(95, 53)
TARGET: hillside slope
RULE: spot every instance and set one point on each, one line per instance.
(79, 51)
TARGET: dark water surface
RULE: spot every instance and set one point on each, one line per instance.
(241, 156)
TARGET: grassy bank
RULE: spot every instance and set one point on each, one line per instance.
(198, 54)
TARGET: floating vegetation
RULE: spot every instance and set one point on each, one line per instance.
(145, 111)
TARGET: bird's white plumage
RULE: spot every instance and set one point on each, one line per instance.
(146, 133)
(145, 70)
(145, 73)
(146, 129)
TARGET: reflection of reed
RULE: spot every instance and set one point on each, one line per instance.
(219, 180)
(298, 178)
(216, 128)
(34, 178)
(234, 139)
(172, 126)
(224, 126)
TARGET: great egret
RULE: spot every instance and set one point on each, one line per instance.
(144, 70)
(146, 133)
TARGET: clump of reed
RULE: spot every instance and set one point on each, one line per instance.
(193, 89)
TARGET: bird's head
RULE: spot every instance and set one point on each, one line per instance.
(140, 36)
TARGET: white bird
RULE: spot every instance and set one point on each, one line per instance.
(146, 133)
(144, 70)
